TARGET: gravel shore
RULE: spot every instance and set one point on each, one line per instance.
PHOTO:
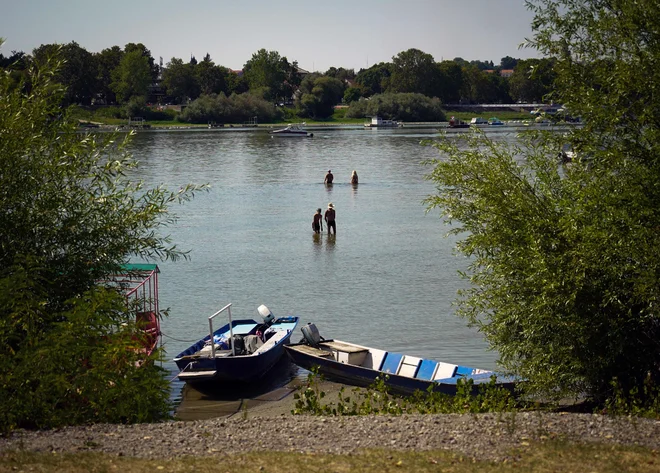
(482, 436)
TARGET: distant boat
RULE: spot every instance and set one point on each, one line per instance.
(293, 129)
(457, 123)
(377, 122)
(495, 121)
(478, 121)
(359, 365)
(242, 351)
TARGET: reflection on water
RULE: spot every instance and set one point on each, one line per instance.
(387, 280)
(219, 400)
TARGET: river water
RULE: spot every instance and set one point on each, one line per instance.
(388, 278)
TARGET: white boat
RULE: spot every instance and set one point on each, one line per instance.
(478, 121)
(377, 122)
(293, 129)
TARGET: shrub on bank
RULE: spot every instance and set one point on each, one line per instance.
(405, 107)
(233, 109)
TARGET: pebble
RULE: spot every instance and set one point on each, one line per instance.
(480, 436)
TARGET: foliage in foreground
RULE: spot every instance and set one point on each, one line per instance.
(377, 399)
(565, 259)
(70, 216)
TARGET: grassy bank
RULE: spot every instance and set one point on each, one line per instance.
(534, 457)
(338, 118)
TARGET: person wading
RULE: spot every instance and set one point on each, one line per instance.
(329, 218)
(329, 178)
(317, 223)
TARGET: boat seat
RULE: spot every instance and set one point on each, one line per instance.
(391, 363)
(277, 336)
(409, 366)
(343, 347)
(312, 351)
(445, 370)
(427, 370)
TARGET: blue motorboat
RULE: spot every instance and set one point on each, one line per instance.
(241, 351)
(360, 366)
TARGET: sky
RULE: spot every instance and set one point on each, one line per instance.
(317, 34)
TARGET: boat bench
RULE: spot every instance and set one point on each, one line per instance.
(413, 367)
(277, 336)
(347, 354)
(313, 351)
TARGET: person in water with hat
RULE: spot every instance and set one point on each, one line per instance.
(328, 178)
(329, 218)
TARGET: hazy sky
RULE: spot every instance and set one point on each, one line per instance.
(317, 34)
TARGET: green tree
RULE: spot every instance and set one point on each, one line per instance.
(413, 71)
(180, 81)
(77, 73)
(212, 79)
(484, 87)
(107, 61)
(70, 217)
(154, 70)
(352, 94)
(341, 73)
(132, 77)
(507, 62)
(372, 79)
(532, 80)
(565, 260)
(319, 95)
(449, 83)
(237, 83)
(267, 71)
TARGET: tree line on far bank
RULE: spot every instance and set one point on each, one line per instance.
(129, 82)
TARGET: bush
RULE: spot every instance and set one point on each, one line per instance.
(233, 109)
(69, 218)
(405, 107)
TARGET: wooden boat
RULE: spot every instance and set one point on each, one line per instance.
(292, 129)
(359, 365)
(242, 350)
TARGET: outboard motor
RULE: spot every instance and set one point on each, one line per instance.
(311, 334)
(267, 315)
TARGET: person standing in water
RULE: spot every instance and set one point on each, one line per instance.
(328, 178)
(354, 177)
(330, 218)
(317, 223)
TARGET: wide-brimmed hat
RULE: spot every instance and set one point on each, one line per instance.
(331, 205)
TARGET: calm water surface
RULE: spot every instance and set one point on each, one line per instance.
(386, 280)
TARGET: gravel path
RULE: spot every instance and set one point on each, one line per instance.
(482, 436)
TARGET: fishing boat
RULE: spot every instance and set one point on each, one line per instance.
(293, 129)
(241, 351)
(360, 366)
(377, 122)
